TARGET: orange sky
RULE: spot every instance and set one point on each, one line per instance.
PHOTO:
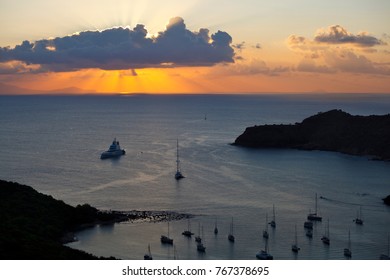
(328, 47)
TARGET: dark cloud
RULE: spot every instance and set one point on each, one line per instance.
(337, 34)
(124, 48)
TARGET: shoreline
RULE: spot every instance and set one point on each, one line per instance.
(131, 216)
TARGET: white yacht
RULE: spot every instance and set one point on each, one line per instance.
(114, 150)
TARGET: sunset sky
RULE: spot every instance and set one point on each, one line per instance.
(194, 46)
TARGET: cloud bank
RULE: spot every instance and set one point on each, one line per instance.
(337, 34)
(335, 50)
(123, 48)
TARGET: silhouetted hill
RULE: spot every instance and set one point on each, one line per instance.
(10, 89)
(386, 200)
(334, 130)
(33, 224)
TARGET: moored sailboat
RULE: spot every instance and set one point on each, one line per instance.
(359, 217)
(148, 256)
(264, 254)
(265, 231)
(295, 247)
(347, 251)
(198, 238)
(165, 239)
(314, 216)
(326, 238)
(200, 246)
(215, 227)
(178, 174)
(273, 222)
(231, 237)
(188, 232)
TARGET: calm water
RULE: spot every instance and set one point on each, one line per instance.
(54, 143)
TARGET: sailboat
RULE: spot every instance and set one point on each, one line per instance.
(273, 222)
(263, 254)
(314, 216)
(383, 256)
(325, 238)
(215, 227)
(200, 247)
(178, 174)
(198, 239)
(188, 232)
(231, 233)
(148, 256)
(359, 217)
(295, 247)
(165, 239)
(265, 232)
(347, 251)
(175, 255)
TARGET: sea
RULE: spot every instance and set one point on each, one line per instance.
(53, 143)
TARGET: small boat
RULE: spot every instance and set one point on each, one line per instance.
(265, 231)
(178, 174)
(215, 227)
(295, 247)
(314, 216)
(273, 222)
(148, 256)
(326, 238)
(231, 232)
(200, 247)
(113, 151)
(384, 256)
(165, 239)
(359, 217)
(347, 251)
(263, 254)
(188, 232)
(308, 225)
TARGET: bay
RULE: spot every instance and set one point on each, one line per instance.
(53, 143)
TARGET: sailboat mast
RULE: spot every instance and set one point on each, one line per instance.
(349, 239)
(177, 154)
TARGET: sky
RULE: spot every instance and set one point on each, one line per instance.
(194, 46)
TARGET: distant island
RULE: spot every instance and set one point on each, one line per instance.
(334, 130)
(34, 226)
